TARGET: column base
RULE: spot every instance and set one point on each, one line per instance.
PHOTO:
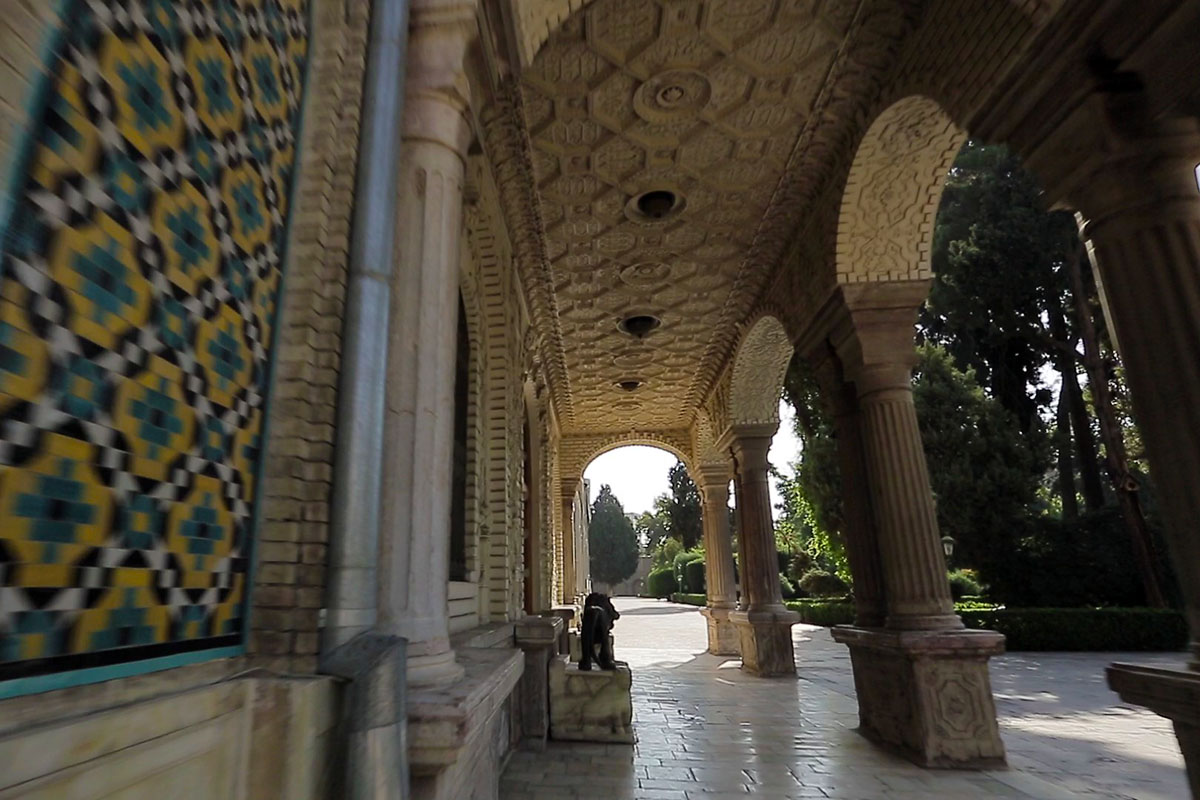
(1172, 693)
(927, 694)
(722, 635)
(765, 639)
(433, 670)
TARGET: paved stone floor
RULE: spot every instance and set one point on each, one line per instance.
(706, 731)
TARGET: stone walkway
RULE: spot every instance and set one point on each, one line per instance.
(707, 732)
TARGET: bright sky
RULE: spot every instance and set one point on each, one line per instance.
(638, 474)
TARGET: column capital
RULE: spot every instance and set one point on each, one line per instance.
(714, 478)
(750, 444)
(436, 85)
(1102, 157)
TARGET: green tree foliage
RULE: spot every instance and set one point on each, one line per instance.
(652, 529)
(997, 260)
(612, 541)
(984, 475)
(682, 507)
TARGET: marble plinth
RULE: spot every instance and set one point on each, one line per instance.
(927, 694)
(590, 706)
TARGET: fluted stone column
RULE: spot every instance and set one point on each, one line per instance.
(720, 585)
(922, 680)
(914, 567)
(862, 540)
(415, 546)
(1143, 220)
(763, 622)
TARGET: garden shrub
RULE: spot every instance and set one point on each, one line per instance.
(785, 585)
(1094, 629)
(690, 599)
(963, 583)
(799, 564)
(823, 612)
(819, 583)
(661, 583)
(681, 560)
(693, 574)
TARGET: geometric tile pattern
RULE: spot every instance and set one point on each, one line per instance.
(139, 277)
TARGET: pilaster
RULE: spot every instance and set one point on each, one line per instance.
(570, 575)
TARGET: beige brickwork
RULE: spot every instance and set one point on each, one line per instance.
(289, 585)
(26, 29)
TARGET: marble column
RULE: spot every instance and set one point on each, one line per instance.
(1143, 223)
(720, 585)
(922, 680)
(415, 542)
(763, 622)
(862, 540)
(914, 567)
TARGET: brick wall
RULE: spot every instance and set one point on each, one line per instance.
(289, 583)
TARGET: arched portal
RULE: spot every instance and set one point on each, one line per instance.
(636, 476)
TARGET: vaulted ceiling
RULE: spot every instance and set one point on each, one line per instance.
(659, 133)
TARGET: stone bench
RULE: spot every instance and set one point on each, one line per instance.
(590, 706)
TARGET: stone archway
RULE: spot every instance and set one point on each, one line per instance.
(885, 226)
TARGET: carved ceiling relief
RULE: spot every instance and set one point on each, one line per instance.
(701, 100)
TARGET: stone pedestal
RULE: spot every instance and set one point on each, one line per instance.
(590, 706)
(927, 694)
(538, 639)
(765, 641)
(722, 635)
(1172, 693)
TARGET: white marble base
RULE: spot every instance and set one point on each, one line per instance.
(590, 706)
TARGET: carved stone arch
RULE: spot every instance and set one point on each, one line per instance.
(885, 227)
(535, 21)
(704, 441)
(759, 367)
(577, 452)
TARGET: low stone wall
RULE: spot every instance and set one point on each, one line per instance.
(259, 737)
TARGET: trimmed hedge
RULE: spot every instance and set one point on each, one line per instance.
(1094, 629)
(693, 576)
(680, 565)
(823, 612)
(690, 599)
(819, 583)
(661, 583)
(1041, 629)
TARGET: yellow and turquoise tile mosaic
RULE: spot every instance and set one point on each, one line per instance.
(139, 278)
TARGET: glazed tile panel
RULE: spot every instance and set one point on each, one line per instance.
(138, 287)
